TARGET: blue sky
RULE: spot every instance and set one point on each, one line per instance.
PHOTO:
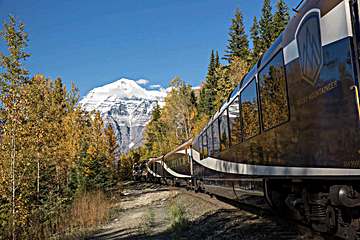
(92, 43)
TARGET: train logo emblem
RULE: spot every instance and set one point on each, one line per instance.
(308, 39)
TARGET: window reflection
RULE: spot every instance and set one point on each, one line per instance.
(273, 96)
(224, 131)
(180, 164)
(249, 110)
(199, 144)
(216, 139)
(234, 121)
(210, 140)
(204, 144)
(235, 91)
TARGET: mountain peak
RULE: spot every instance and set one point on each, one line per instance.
(121, 89)
(126, 106)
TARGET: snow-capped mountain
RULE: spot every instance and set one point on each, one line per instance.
(127, 107)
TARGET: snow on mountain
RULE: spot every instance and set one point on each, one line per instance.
(127, 107)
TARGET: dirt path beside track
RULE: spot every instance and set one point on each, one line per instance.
(146, 211)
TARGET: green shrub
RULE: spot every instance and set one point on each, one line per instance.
(148, 222)
(177, 215)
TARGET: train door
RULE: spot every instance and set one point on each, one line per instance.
(189, 155)
(340, 97)
(355, 18)
(338, 100)
(324, 87)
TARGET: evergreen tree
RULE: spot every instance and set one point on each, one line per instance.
(57, 110)
(112, 146)
(127, 162)
(266, 27)
(207, 94)
(228, 78)
(156, 113)
(223, 85)
(281, 17)
(255, 39)
(154, 134)
(238, 44)
(202, 104)
(96, 165)
(212, 63)
(211, 80)
(217, 61)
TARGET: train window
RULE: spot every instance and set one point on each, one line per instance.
(216, 139)
(224, 130)
(234, 121)
(210, 140)
(273, 95)
(235, 91)
(204, 145)
(199, 144)
(249, 110)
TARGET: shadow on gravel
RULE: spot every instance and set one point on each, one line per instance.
(222, 224)
(134, 194)
(252, 204)
(142, 188)
(141, 185)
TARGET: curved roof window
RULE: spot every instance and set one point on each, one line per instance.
(235, 91)
(274, 48)
(248, 76)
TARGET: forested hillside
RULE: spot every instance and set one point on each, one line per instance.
(51, 151)
(185, 112)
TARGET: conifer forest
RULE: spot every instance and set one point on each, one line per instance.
(54, 155)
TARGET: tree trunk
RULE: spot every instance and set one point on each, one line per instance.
(13, 158)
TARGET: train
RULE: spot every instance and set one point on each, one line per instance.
(290, 130)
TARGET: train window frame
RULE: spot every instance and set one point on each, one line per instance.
(209, 127)
(255, 80)
(227, 127)
(200, 145)
(234, 92)
(215, 123)
(204, 134)
(242, 81)
(231, 143)
(263, 129)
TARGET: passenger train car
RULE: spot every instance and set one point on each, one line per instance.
(290, 130)
(173, 168)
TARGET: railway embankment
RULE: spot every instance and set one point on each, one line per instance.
(151, 211)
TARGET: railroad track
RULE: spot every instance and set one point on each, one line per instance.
(248, 213)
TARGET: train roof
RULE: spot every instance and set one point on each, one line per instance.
(155, 159)
(237, 90)
(276, 46)
(286, 37)
(179, 151)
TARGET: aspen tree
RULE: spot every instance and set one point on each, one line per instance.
(12, 76)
